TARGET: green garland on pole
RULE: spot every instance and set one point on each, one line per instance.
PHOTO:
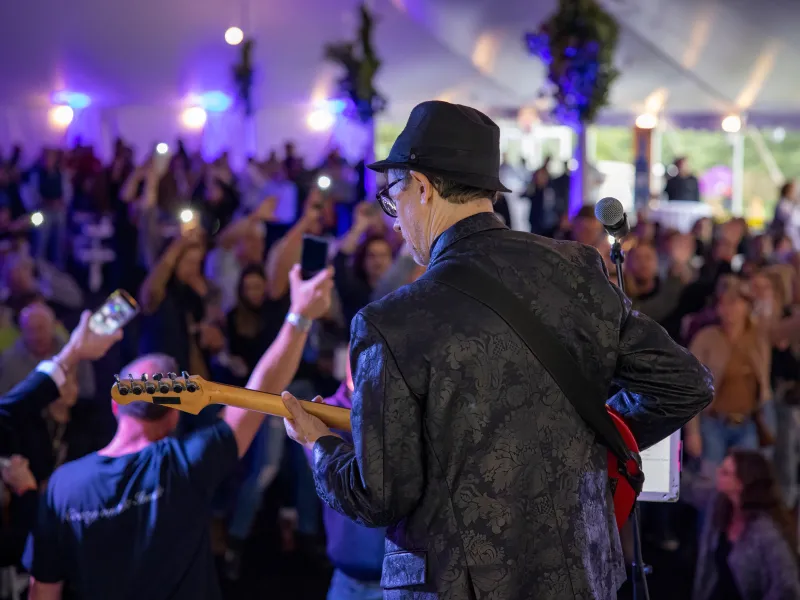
(243, 73)
(361, 65)
(577, 44)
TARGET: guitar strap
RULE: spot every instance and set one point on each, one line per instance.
(586, 397)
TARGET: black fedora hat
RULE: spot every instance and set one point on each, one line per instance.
(449, 140)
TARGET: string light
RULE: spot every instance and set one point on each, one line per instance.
(646, 121)
(61, 116)
(320, 120)
(234, 36)
(194, 117)
(731, 124)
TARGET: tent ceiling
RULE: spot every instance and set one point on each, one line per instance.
(698, 56)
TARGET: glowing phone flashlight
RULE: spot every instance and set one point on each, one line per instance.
(37, 219)
(324, 182)
(187, 215)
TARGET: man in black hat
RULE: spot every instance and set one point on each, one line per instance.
(490, 483)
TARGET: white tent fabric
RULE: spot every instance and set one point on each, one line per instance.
(140, 61)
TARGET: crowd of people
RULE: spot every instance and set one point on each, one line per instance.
(209, 254)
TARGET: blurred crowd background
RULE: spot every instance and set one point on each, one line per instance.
(206, 251)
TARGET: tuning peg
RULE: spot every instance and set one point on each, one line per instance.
(123, 391)
(176, 387)
(149, 386)
(163, 387)
(191, 386)
(135, 387)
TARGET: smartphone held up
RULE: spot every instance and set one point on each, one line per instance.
(117, 311)
(315, 255)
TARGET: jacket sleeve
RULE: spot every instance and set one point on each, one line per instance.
(379, 479)
(28, 397)
(662, 385)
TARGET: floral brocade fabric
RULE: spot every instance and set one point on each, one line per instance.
(491, 486)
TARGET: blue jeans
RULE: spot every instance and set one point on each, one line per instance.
(720, 437)
(305, 493)
(51, 238)
(346, 588)
(263, 460)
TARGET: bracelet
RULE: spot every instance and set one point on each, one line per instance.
(299, 321)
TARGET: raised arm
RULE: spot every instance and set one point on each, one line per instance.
(288, 250)
(154, 287)
(41, 386)
(274, 372)
(130, 189)
(228, 237)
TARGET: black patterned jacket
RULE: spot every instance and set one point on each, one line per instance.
(491, 485)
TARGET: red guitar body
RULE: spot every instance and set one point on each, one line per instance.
(622, 486)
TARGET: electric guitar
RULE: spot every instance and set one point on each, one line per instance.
(191, 394)
(626, 479)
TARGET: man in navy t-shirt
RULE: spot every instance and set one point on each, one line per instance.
(132, 520)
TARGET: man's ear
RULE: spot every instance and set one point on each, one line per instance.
(422, 187)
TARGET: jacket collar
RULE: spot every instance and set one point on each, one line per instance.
(484, 221)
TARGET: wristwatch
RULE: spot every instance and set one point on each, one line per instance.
(299, 321)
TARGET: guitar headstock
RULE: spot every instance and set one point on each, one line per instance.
(188, 393)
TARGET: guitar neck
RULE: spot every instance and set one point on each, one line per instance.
(271, 404)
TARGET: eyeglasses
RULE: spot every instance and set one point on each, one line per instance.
(386, 201)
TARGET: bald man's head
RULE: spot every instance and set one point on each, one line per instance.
(37, 322)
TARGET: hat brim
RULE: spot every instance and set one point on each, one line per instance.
(479, 181)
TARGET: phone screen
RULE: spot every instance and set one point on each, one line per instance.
(315, 255)
(118, 310)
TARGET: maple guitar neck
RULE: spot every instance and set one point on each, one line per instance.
(271, 404)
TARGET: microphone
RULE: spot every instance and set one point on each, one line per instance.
(611, 214)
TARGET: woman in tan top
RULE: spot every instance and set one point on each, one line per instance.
(737, 353)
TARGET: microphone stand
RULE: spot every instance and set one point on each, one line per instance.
(639, 570)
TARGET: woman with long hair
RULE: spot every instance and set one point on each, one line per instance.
(748, 546)
(738, 354)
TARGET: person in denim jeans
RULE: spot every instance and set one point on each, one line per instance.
(49, 190)
(738, 354)
(356, 552)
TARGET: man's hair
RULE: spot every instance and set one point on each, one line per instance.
(453, 192)
(156, 363)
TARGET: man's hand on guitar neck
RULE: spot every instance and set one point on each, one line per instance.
(303, 428)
